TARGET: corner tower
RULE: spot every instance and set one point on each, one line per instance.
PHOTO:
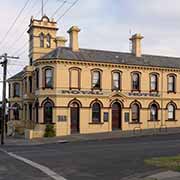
(42, 36)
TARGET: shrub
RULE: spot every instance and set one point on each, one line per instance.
(49, 131)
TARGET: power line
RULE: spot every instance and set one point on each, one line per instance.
(21, 35)
(61, 6)
(14, 22)
(67, 10)
(75, 2)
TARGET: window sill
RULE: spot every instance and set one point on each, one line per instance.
(171, 120)
(171, 92)
(135, 122)
(47, 88)
(154, 120)
(96, 123)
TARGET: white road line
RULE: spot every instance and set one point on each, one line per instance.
(42, 168)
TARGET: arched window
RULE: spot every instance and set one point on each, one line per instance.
(41, 37)
(37, 111)
(171, 83)
(154, 112)
(96, 113)
(48, 78)
(135, 112)
(171, 112)
(16, 109)
(48, 113)
(153, 82)
(116, 81)
(96, 80)
(30, 85)
(75, 78)
(135, 82)
(16, 90)
(48, 41)
(37, 78)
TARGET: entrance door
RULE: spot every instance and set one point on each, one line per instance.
(116, 116)
(74, 118)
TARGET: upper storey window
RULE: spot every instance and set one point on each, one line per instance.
(135, 81)
(154, 82)
(75, 78)
(171, 83)
(16, 90)
(96, 79)
(116, 81)
(48, 41)
(41, 36)
(48, 72)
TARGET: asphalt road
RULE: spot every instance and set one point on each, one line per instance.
(118, 159)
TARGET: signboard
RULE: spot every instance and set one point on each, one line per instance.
(144, 94)
(75, 92)
(62, 118)
(106, 116)
(126, 116)
(107, 93)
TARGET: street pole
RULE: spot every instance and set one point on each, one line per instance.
(3, 120)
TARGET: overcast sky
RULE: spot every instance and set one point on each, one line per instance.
(104, 24)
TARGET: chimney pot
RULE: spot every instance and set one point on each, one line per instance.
(136, 44)
(73, 33)
(60, 41)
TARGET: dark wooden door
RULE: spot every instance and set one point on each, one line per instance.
(116, 116)
(74, 119)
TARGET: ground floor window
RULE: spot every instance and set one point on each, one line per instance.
(16, 109)
(48, 113)
(37, 112)
(96, 113)
(171, 112)
(135, 112)
(154, 112)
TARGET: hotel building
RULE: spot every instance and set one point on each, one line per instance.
(91, 91)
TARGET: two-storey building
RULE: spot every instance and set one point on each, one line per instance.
(90, 91)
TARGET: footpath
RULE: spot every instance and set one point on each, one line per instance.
(19, 140)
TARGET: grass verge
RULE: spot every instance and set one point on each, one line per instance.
(172, 163)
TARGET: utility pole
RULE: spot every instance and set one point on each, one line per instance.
(4, 65)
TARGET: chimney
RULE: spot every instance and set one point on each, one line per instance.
(73, 33)
(60, 41)
(136, 44)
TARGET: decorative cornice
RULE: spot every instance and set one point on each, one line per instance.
(98, 64)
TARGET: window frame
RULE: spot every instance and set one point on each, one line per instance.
(45, 69)
(45, 113)
(174, 83)
(137, 120)
(79, 78)
(15, 94)
(41, 40)
(16, 111)
(94, 113)
(119, 80)
(156, 75)
(174, 111)
(139, 81)
(157, 113)
(48, 41)
(37, 78)
(100, 79)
